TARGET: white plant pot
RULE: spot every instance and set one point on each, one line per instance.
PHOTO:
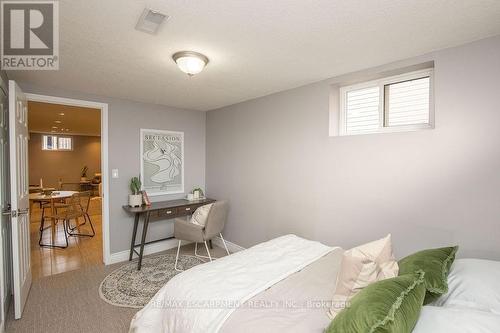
(135, 200)
(196, 194)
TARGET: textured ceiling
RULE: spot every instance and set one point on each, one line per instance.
(42, 117)
(256, 47)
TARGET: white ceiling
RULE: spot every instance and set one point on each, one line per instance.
(256, 47)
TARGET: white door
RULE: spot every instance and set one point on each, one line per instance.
(5, 231)
(18, 141)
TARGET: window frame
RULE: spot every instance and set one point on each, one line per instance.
(44, 136)
(57, 137)
(64, 137)
(383, 102)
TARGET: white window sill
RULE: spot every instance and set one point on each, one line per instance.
(396, 129)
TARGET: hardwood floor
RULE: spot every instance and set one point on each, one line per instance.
(81, 251)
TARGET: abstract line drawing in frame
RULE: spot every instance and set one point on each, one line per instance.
(162, 162)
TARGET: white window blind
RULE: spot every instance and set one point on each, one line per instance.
(49, 142)
(53, 142)
(407, 102)
(396, 103)
(362, 110)
(65, 144)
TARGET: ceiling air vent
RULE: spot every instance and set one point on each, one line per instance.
(150, 21)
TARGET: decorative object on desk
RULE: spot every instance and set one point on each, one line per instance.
(135, 199)
(83, 174)
(197, 193)
(190, 196)
(129, 287)
(162, 161)
(145, 198)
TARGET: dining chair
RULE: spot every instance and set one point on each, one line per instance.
(185, 230)
(81, 208)
(60, 215)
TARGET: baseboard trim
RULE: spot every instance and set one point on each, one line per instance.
(148, 249)
(230, 246)
(167, 245)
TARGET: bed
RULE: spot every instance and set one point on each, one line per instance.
(283, 285)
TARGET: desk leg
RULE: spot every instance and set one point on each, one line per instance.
(134, 234)
(143, 239)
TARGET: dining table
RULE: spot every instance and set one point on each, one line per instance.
(51, 198)
(38, 189)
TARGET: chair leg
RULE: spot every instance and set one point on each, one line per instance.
(65, 229)
(84, 222)
(41, 231)
(208, 251)
(177, 257)
(199, 255)
(77, 234)
(90, 221)
(224, 242)
(42, 228)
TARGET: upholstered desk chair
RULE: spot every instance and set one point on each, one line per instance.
(185, 230)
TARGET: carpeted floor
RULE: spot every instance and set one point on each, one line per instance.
(70, 302)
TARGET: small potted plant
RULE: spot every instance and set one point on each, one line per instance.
(83, 174)
(135, 199)
(197, 193)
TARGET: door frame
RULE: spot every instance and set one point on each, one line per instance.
(5, 294)
(106, 251)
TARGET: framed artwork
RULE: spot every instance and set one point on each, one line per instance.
(162, 162)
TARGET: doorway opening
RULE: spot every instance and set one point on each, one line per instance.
(67, 178)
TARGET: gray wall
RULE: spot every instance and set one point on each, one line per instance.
(65, 165)
(274, 160)
(126, 118)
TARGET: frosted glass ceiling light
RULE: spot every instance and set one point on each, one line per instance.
(190, 62)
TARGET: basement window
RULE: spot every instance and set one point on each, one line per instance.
(53, 142)
(392, 104)
(65, 143)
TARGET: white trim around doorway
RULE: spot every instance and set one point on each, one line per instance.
(104, 158)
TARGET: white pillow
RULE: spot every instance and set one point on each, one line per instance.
(360, 267)
(474, 284)
(435, 319)
(200, 215)
(380, 252)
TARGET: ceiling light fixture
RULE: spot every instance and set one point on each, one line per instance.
(190, 62)
(57, 121)
(54, 127)
(61, 114)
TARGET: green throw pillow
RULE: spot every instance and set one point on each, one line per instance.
(387, 306)
(436, 264)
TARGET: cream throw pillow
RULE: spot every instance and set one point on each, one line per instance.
(200, 215)
(360, 267)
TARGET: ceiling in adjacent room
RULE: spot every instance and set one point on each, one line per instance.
(255, 47)
(43, 117)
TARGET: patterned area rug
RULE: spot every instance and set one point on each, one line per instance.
(128, 287)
